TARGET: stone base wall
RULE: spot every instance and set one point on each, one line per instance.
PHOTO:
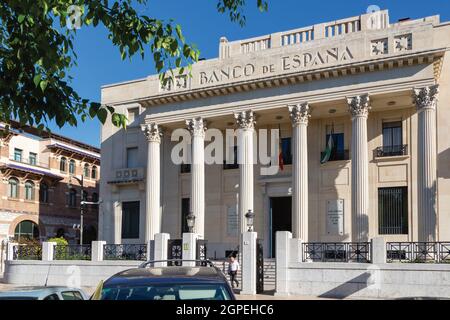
(360, 280)
(63, 273)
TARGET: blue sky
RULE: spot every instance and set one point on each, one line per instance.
(99, 62)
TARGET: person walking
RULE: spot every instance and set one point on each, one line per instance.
(233, 268)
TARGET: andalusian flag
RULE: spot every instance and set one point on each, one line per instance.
(327, 153)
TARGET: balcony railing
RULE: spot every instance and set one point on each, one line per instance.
(390, 151)
(72, 252)
(337, 155)
(337, 252)
(125, 252)
(418, 252)
(31, 162)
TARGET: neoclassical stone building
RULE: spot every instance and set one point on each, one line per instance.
(362, 105)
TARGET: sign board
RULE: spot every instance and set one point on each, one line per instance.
(232, 221)
(335, 217)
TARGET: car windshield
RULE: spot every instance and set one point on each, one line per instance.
(167, 292)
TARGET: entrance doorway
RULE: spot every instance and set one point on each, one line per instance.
(280, 218)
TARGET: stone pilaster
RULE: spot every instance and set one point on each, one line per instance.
(300, 114)
(359, 109)
(153, 214)
(425, 100)
(197, 127)
(246, 127)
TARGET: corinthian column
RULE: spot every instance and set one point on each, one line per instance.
(359, 109)
(153, 214)
(246, 125)
(197, 127)
(425, 100)
(299, 116)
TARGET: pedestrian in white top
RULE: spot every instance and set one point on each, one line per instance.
(233, 268)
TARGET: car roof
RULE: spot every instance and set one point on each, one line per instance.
(35, 291)
(174, 274)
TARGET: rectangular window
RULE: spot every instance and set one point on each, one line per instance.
(393, 210)
(185, 209)
(132, 157)
(32, 158)
(392, 139)
(337, 152)
(18, 155)
(286, 150)
(185, 168)
(130, 220)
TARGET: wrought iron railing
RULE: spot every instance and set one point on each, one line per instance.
(125, 252)
(72, 252)
(336, 252)
(390, 151)
(418, 252)
(336, 155)
(27, 252)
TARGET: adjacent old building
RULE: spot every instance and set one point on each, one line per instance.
(44, 177)
(362, 105)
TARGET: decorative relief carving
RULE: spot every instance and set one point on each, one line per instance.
(175, 83)
(426, 97)
(196, 126)
(299, 113)
(359, 105)
(152, 132)
(245, 119)
(403, 43)
(379, 47)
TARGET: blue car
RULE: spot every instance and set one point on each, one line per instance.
(200, 280)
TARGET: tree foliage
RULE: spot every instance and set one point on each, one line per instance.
(37, 53)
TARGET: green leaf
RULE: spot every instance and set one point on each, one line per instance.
(102, 114)
(37, 79)
(21, 18)
(43, 85)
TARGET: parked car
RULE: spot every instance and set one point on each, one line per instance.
(43, 293)
(203, 281)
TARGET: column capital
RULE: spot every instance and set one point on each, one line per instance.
(359, 105)
(299, 113)
(152, 132)
(245, 119)
(426, 97)
(196, 126)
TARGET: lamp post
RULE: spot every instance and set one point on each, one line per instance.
(69, 185)
(249, 217)
(190, 219)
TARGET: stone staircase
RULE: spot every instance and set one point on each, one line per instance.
(269, 272)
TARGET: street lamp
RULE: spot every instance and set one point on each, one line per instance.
(190, 219)
(69, 185)
(250, 216)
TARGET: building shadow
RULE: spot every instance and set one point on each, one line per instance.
(348, 288)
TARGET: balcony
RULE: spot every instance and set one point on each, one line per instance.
(127, 176)
(391, 151)
(31, 162)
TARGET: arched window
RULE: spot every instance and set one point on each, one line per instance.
(29, 190)
(13, 188)
(94, 172)
(86, 171)
(62, 164)
(26, 230)
(43, 193)
(72, 198)
(85, 196)
(94, 197)
(72, 166)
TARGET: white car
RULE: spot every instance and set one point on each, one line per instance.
(43, 293)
